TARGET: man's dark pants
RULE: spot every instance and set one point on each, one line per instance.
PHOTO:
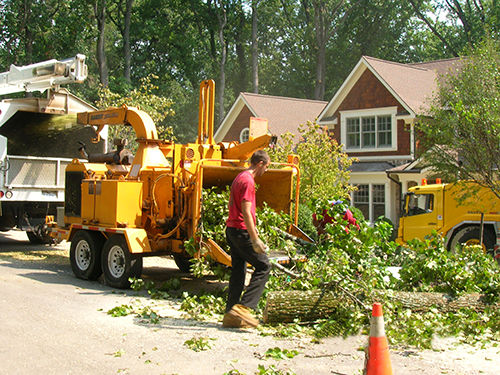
(242, 253)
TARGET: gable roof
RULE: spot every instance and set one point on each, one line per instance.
(283, 114)
(411, 84)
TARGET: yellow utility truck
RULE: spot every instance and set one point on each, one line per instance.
(121, 207)
(458, 211)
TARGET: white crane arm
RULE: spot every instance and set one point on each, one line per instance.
(45, 75)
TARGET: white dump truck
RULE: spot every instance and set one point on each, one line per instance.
(38, 139)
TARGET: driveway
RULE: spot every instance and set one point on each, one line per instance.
(54, 323)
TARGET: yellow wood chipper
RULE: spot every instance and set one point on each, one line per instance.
(121, 207)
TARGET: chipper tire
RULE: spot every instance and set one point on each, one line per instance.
(85, 255)
(118, 264)
(184, 264)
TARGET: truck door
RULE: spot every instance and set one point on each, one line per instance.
(420, 216)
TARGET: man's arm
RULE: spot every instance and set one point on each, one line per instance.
(246, 210)
(257, 244)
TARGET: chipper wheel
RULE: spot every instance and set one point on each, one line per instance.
(118, 264)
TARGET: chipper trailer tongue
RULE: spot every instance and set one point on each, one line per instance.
(121, 207)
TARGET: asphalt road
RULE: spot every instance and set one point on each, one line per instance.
(54, 323)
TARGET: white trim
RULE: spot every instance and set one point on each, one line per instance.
(385, 111)
(380, 157)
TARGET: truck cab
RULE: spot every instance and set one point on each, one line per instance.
(463, 212)
(422, 212)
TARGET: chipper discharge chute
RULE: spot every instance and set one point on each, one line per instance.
(121, 207)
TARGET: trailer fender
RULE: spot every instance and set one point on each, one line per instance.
(137, 238)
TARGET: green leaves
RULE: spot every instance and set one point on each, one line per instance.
(199, 344)
(323, 164)
(461, 137)
(428, 266)
(280, 354)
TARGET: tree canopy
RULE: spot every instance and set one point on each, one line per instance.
(462, 136)
(294, 48)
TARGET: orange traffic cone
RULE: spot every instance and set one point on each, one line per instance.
(377, 360)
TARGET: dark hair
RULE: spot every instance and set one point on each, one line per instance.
(259, 156)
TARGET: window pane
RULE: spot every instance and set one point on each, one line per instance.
(361, 200)
(362, 195)
(369, 124)
(368, 140)
(353, 140)
(352, 125)
(368, 132)
(378, 199)
(378, 210)
(352, 132)
(384, 131)
(378, 193)
(244, 135)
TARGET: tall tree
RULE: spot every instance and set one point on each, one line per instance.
(255, 48)
(100, 13)
(328, 16)
(121, 16)
(462, 134)
(458, 24)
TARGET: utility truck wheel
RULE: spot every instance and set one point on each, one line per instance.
(85, 255)
(118, 264)
(470, 236)
(182, 263)
(41, 237)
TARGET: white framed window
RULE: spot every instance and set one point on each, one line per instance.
(244, 135)
(370, 200)
(369, 130)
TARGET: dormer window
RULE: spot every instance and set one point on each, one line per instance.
(369, 130)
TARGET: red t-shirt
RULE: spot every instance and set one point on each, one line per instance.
(242, 189)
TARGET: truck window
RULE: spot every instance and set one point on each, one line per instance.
(419, 204)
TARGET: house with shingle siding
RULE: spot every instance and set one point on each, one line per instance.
(283, 114)
(372, 115)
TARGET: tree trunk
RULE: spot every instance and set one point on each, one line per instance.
(100, 15)
(255, 49)
(321, 27)
(223, 56)
(127, 57)
(285, 307)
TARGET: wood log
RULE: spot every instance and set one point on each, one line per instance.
(311, 305)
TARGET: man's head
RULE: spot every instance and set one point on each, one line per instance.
(259, 162)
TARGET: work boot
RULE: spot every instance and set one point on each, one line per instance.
(244, 313)
(233, 321)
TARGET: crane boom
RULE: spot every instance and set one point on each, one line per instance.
(44, 75)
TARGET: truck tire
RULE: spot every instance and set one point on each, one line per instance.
(85, 255)
(182, 263)
(470, 236)
(43, 239)
(118, 264)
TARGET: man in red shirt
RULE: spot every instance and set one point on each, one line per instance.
(246, 246)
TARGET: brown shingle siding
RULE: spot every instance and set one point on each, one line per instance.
(370, 93)
(242, 121)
